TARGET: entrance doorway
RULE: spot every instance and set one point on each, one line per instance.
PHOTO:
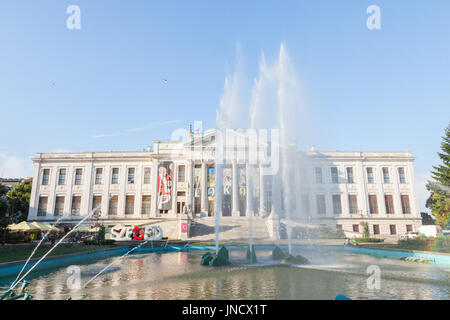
(226, 205)
(210, 208)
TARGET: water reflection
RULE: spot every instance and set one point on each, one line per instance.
(178, 275)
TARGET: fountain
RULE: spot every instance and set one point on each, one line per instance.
(273, 104)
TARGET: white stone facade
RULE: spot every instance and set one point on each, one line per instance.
(171, 166)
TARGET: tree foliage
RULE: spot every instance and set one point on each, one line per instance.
(19, 201)
(439, 200)
(427, 219)
(3, 206)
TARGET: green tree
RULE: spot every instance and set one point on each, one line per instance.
(366, 232)
(19, 201)
(3, 201)
(427, 219)
(439, 200)
(3, 207)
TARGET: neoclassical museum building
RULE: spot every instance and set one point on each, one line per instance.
(340, 189)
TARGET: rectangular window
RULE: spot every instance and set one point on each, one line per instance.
(318, 172)
(350, 177)
(99, 176)
(113, 205)
(337, 206)
(129, 205)
(353, 203)
(115, 176)
(393, 229)
(62, 177)
(76, 205)
(97, 204)
(180, 206)
(59, 206)
(181, 193)
(370, 178)
(45, 177)
(409, 228)
(147, 175)
(131, 174)
(389, 202)
(373, 204)
(386, 178)
(401, 175)
(320, 201)
(355, 227)
(42, 207)
(339, 227)
(406, 209)
(376, 229)
(305, 204)
(146, 205)
(334, 175)
(78, 175)
(181, 173)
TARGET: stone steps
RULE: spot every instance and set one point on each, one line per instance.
(230, 229)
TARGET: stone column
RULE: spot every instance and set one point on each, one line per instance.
(204, 193)
(154, 199)
(68, 187)
(262, 195)
(123, 181)
(235, 191)
(86, 182)
(249, 189)
(34, 197)
(173, 212)
(106, 181)
(138, 195)
(190, 195)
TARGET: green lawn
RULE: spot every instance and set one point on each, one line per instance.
(22, 252)
(431, 245)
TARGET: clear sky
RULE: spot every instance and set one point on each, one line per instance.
(101, 87)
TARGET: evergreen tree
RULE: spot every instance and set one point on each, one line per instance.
(439, 200)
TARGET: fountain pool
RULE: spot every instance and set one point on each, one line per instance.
(179, 275)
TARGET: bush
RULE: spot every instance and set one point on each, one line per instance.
(368, 240)
(441, 243)
(96, 242)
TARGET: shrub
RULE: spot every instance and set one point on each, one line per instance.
(370, 240)
(96, 242)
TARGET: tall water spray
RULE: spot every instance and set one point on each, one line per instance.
(275, 103)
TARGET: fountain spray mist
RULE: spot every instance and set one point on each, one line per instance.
(275, 103)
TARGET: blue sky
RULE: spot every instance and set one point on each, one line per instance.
(100, 87)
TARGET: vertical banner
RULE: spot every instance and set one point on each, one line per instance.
(227, 181)
(211, 182)
(165, 179)
(197, 182)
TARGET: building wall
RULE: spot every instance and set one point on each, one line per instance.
(305, 165)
